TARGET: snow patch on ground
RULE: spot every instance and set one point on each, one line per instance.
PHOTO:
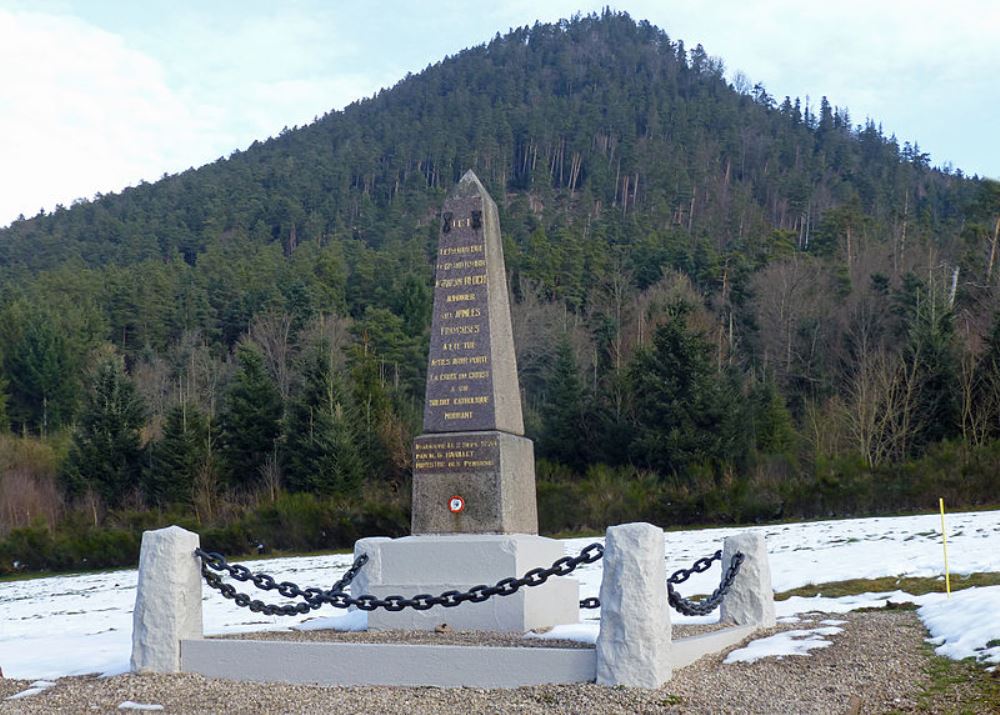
(78, 625)
(34, 689)
(967, 625)
(581, 632)
(352, 621)
(825, 551)
(129, 705)
(786, 643)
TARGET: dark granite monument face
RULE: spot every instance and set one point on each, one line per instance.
(473, 471)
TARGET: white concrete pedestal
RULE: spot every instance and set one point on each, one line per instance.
(436, 563)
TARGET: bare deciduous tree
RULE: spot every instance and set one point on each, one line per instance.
(794, 317)
(206, 492)
(879, 406)
(200, 375)
(822, 426)
(154, 382)
(270, 475)
(271, 331)
(335, 330)
(979, 380)
(539, 325)
(26, 496)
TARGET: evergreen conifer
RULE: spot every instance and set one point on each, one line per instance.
(105, 455)
(250, 423)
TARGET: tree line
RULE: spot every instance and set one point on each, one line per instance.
(726, 307)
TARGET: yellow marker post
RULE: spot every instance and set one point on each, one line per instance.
(944, 536)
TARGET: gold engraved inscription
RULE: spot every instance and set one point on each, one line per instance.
(461, 250)
(459, 391)
(455, 455)
(462, 281)
(462, 265)
(461, 329)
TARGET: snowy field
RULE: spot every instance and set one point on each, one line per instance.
(71, 625)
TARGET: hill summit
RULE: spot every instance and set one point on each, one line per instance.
(726, 305)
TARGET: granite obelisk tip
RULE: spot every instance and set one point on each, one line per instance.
(469, 185)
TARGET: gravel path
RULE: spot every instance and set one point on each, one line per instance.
(876, 665)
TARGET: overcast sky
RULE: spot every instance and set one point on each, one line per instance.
(99, 95)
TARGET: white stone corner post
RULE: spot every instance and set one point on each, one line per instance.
(750, 601)
(167, 600)
(633, 646)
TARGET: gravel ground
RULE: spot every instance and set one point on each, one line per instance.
(433, 638)
(409, 638)
(875, 666)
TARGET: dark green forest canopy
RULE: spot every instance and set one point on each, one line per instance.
(709, 283)
(597, 118)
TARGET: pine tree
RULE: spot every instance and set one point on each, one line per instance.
(42, 373)
(773, 431)
(322, 454)
(250, 423)
(929, 353)
(176, 459)
(105, 455)
(563, 437)
(683, 407)
(372, 403)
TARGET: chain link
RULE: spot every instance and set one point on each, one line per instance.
(266, 582)
(687, 606)
(345, 580)
(313, 598)
(706, 605)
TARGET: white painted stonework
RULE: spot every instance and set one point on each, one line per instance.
(393, 664)
(167, 601)
(750, 601)
(437, 563)
(633, 646)
(362, 583)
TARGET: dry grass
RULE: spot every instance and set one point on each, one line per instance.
(28, 488)
(914, 586)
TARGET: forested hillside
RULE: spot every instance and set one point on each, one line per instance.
(727, 307)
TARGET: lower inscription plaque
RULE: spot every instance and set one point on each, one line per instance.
(450, 454)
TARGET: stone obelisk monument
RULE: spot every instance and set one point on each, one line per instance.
(475, 516)
(473, 471)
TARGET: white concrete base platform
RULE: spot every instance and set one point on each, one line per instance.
(440, 666)
(685, 651)
(387, 664)
(436, 563)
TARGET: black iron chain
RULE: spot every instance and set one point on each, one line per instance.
(266, 582)
(313, 598)
(687, 606)
(349, 575)
(706, 605)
